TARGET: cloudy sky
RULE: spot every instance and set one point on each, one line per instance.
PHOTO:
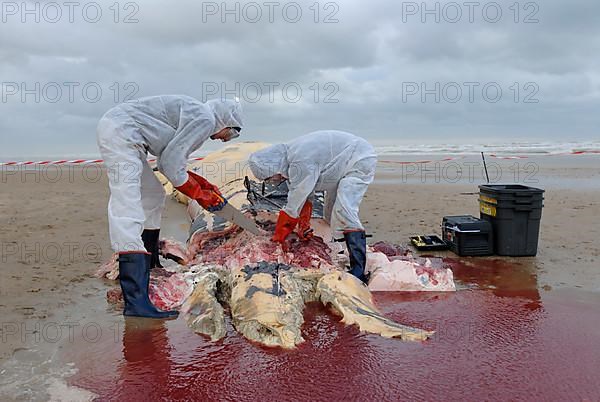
(485, 72)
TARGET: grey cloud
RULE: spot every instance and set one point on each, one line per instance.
(368, 55)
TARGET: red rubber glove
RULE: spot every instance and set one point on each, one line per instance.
(208, 198)
(203, 183)
(304, 231)
(285, 226)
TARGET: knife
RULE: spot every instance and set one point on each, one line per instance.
(231, 214)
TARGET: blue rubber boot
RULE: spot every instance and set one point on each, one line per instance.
(357, 250)
(150, 239)
(134, 276)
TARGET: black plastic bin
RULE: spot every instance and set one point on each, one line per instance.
(515, 212)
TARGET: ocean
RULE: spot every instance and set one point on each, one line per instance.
(389, 149)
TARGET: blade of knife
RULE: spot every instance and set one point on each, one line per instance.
(231, 214)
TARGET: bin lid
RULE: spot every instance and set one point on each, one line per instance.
(511, 188)
(466, 223)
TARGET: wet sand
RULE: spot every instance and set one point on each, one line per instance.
(489, 345)
(55, 234)
(408, 200)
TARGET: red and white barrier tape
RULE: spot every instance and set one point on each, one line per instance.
(58, 162)
(69, 162)
(490, 155)
(422, 161)
(96, 161)
(557, 154)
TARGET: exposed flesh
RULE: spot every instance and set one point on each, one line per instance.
(264, 288)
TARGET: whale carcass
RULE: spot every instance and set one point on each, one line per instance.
(224, 271)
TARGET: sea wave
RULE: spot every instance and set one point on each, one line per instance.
(506, 149)
(520, 148)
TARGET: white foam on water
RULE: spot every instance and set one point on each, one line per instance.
(61, 391)
(386, 147)
(513, 148)
(32, 375)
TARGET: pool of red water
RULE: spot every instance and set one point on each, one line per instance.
(503, 340)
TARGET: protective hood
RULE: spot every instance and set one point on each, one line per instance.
(228, 113)
(269, 161)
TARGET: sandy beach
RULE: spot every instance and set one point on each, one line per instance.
(449, 96)
(412, 199)
(55, 235)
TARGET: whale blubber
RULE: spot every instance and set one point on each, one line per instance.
(265, 296)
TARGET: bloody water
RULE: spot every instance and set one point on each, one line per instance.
(498, 338)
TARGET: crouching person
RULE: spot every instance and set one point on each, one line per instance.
(339, 163)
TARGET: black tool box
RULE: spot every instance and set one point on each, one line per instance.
(468, 236)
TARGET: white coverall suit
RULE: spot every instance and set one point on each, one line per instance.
(337, 162)
(170, 127)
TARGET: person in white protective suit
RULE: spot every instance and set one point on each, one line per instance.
(339, 163)
(170, 127)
